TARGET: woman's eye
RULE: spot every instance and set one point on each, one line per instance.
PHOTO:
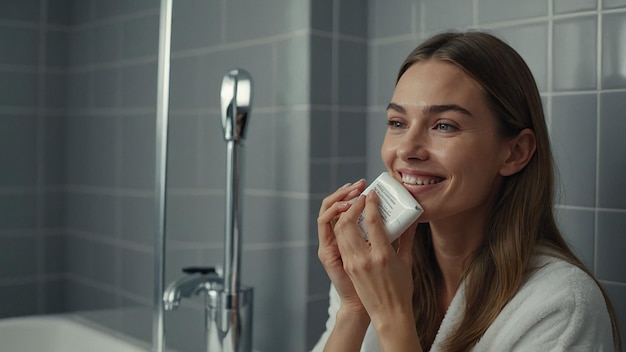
(395, 124)
(445, 127)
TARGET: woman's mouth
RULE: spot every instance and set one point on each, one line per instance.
(420, 180)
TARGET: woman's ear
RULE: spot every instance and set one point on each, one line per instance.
(521, 150)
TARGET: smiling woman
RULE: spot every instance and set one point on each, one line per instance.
(485, 267)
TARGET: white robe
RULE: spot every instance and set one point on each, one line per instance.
(559, 308)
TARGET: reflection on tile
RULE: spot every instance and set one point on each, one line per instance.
(614, 51)
(573, 136)
(611, 192)
(574, 54)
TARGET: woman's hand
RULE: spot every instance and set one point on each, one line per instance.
(328, 252)
(381, 275)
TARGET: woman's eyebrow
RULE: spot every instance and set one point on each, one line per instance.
(438, 109)
(432, 109)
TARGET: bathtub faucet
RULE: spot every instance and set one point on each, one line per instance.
(228, 303)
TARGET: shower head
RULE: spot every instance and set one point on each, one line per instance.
(236, 103)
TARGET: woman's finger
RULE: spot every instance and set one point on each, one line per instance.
(376, 232)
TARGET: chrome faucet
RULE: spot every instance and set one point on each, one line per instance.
(228, 303)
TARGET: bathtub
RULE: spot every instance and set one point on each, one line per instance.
(59, 333)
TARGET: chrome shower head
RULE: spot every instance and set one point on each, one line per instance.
(236, 103)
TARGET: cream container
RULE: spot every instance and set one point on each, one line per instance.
(397, 207)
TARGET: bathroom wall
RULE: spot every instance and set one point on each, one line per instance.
(32, 75)
(577, 52)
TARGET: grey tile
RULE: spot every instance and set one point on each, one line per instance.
(17, 257)
(18, 89)
(139, 84)
(138, 219)
(56, 90)
(439, 16)
(569, 6)
(184, 83)
(54, 165)
(59, 12)
(392, 17)
(197, 24)
(138, 152)
(212, 152)
(292, 151)
(80, 42)
(322, 15)
(18, 141)
(81, 12)
(321, 133)
(531, 42)
(352, 73)
(385, 62)
(54, 210)
(78, 90)
(129, 6)
(321, 177)
(23, 10)
(613, 50)
(318, 281)
(350, 172)
(352, 134)
(137, 268)
(54, 254)
(182, 155)
(18, 212)
(91, 214)
(106, 43)
(376, 129)
(321, 70)
(279, 282)
(82, 296)
(611, 193)
(19, 46)
(270, 219)
(54, 297)
(578, 227)
(104, 259)
(573, 135)
(18, 300)
(498, 10)
(269, 18)
(610, 241)
(317, 314)
(57, 48)
(617, 295)
(106, 85)
(612, 4)
(196, 218)
(261, 61)
(574, 54)
(78, 253)
(140, 37)
(292, 78)
(91, 152)
(353, 18)
(106, 9)
(260, 152)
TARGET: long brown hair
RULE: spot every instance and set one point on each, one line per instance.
(522, 218)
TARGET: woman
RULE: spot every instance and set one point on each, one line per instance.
(485, 268)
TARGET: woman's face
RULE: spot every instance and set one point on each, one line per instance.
(442, 143)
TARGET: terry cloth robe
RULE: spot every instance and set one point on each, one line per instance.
(559, 308)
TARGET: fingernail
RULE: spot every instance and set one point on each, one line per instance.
(346, 185)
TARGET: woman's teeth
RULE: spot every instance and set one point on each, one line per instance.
(420, 180)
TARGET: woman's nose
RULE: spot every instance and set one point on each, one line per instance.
(413, 146)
